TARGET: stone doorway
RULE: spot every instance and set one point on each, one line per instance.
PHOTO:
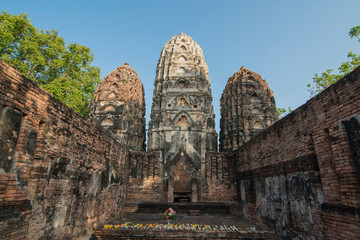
(182, 182)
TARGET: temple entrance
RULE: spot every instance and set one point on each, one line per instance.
(182, 182)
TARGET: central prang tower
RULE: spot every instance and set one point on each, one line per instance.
(182, 122)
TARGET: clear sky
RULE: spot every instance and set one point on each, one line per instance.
(286, 41)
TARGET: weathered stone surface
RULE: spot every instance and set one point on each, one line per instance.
(182, 123)
(118, 107)
(10, 123)
(283, 201)
(247, 108)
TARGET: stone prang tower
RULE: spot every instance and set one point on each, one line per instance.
(182, 122)
(118, 107)
(247, 108)
(182, 162)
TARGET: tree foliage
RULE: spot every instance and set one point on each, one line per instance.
(42, 56)
(282, 112)
(328, 78)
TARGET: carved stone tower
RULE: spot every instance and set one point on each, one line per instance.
(118, 107)
(182, 122)
(247, 107)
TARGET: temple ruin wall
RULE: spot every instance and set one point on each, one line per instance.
(59, 175)
(302, 174)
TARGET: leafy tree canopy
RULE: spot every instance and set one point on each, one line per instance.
(328, 78)
(43, 57)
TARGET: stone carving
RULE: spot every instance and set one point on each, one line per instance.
(118, 107)
(247, 108)
(181, 81)
(182, 124)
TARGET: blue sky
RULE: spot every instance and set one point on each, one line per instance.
(286, 42)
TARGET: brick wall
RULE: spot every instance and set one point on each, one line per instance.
(145, 184)
(301, 175)
(220, 178)
(59, 175)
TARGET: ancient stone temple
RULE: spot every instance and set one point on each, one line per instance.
(247, 108)
(118, 107)
(182, 125)
(63, 176)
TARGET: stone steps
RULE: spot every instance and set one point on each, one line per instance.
(221, 217)
(246, 229)
(129, 207)
(101, 233)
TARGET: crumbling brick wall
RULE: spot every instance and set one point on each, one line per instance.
(301, 175)
(145, 183)
(59, 175)
(220, 184)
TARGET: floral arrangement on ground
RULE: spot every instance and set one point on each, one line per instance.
(178, 227)
(170, 214)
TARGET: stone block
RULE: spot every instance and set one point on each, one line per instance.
(194, 212)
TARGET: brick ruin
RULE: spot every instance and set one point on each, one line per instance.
(62, 175)
(118, 107)
(247, 108)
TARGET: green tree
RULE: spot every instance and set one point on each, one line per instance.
(42, 56)
(328, 78)
(282, 112)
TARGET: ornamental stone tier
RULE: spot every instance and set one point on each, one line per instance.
(118, 107)
(247, 108)
(182, 122)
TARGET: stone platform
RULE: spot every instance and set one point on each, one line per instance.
(220, 220)
(184, 208)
